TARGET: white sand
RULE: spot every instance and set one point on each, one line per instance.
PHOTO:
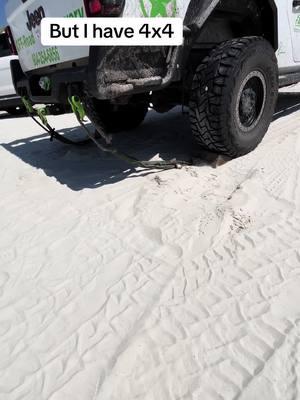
(179, 285)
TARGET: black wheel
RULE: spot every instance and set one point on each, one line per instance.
(117, 117)
(234, 95)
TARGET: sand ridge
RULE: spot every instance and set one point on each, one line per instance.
(118, 284)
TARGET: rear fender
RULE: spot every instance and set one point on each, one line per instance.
(198, 14)
(113, 72)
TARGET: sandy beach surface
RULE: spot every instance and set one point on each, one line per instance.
(118, 284)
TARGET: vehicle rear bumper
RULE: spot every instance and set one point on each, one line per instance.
(10, 101)
(60, 81)
(109, 73)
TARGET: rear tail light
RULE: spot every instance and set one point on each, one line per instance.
(95, 7)
(104, 8)
(11, 41)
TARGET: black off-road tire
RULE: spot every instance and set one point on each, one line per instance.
(116, 118)
(218, 106)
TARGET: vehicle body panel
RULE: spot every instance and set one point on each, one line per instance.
(31, 52)
(294, 23)
(6, 83)
(35, 57)
(288, 52)
(8, 96)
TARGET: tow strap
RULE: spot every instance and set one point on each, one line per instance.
(40, 117)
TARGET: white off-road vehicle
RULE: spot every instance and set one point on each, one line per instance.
(235, 55)
(9, 100)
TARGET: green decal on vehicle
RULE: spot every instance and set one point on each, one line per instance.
(298, 22)
(46, 56)
(24, 42)
(78, 13)
(158, 8)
